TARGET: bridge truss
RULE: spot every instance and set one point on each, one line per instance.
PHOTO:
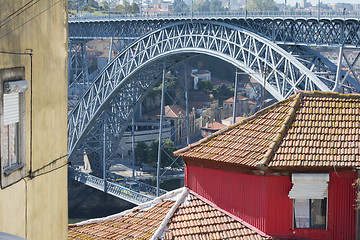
(299, 30)
(105, 109)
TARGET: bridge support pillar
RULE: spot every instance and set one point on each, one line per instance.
(160, 131)
(235, 95)
(187, 107)
(78, 80)
(344, 61)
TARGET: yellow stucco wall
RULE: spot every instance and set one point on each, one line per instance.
(36, 208)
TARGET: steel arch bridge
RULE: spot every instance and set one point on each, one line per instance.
(301, 29)
(115, 94)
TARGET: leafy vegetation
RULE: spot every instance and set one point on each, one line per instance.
(92, 6)
(142, 153)
(205, 86)
(222, 93)
(262, 5)
(180, 6)
(208, 6)
(149, 154)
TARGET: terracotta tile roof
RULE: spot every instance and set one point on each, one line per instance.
(325, 132)
(240, 98)
(174, 111)
(169, 112)
(310, 129)
(184, 215)
(230, 119)
(139, 224)
(214, 126)
(196, 219)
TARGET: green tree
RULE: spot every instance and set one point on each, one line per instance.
(87, 8)
(105, 5)
(262, 5)
(205, 86)
(133, 8)
(215, 6)
(222, 93)
(72, 5)
(153, 149)
(167, 154)
(201, 6)
(180, 6)
(93, 3)
(141, 153)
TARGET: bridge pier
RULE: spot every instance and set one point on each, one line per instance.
(78, 80)
(344, 61)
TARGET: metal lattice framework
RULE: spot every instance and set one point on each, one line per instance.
(115, 94)
(304, 30)
(115, 189)
(77, 71)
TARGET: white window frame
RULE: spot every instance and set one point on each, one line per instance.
(12, 82)
(310, 214)
(309, 186)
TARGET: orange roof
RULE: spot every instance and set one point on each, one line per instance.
(240, 98)
(177, 215)
(196, 218)
(310, 129)
(230, 119)
(214, 126)
(139, 224)
(169, 112)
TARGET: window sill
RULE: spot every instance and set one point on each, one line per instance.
(13, 168)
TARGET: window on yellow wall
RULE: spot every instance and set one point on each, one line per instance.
(13, 140)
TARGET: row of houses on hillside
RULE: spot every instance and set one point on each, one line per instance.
(202, 117)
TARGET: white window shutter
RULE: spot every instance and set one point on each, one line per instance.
(11, 108)
(309, 186)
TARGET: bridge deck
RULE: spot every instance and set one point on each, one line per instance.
(114, 189)
(219, 16)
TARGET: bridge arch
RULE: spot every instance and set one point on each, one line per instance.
(121, 86)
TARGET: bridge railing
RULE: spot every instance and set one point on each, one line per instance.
(109, 187)
(224, 14)
(145, 187)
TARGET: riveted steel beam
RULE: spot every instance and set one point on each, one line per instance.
(138, 67)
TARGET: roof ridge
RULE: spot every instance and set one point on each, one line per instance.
(281, 133)
(159, 231)
(245, 120)
(329, 94)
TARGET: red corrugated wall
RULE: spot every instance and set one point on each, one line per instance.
(263, 201)
(342, 213)
(239, 194)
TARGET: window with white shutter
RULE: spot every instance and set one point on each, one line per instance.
(309, 193)
(13, 141)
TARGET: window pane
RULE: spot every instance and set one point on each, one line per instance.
(318, 213)
(5, 145)
(10, 144)
(302, 213)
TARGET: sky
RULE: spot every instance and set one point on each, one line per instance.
(314, 2)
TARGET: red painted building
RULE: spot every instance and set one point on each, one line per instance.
(288, 171)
